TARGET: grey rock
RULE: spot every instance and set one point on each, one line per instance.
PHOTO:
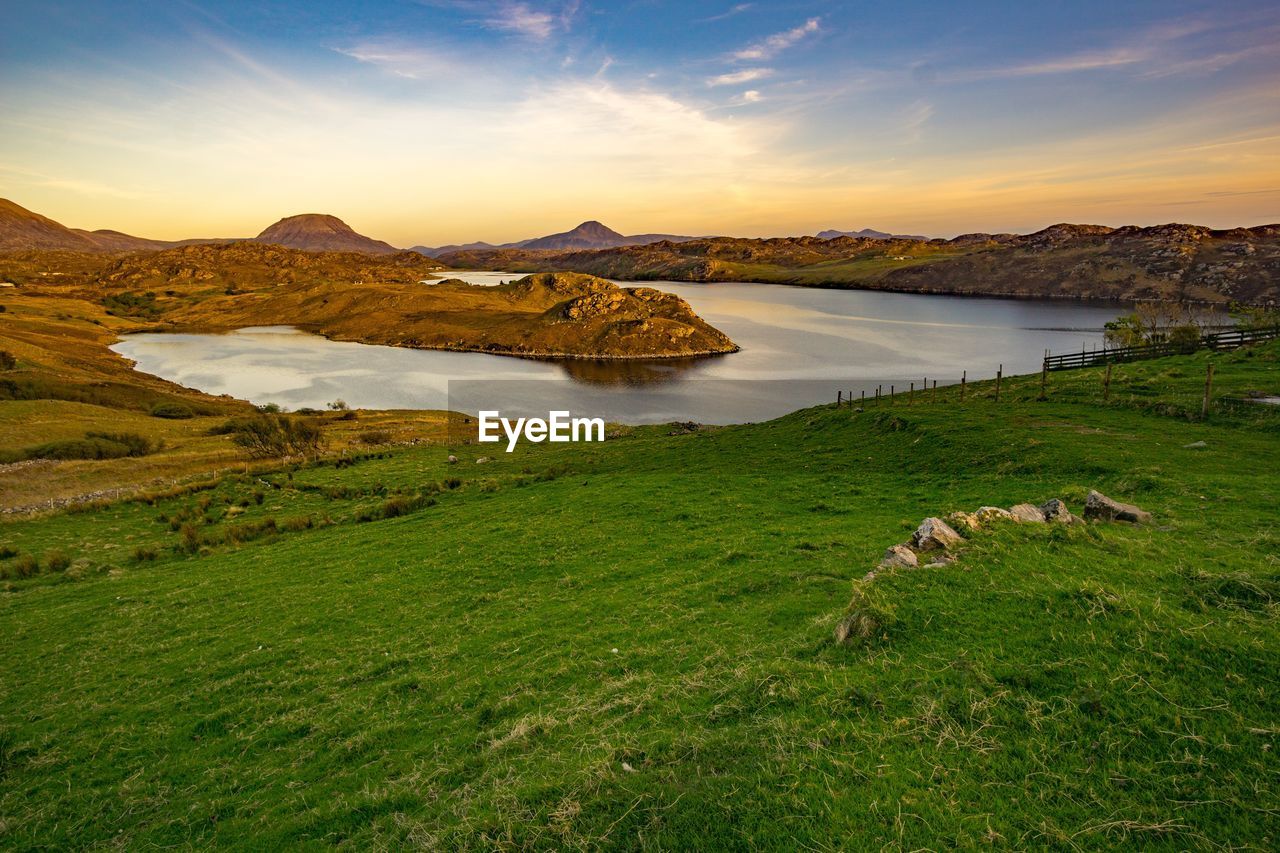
(1102, 508)
(1195, 445)
(1027, 513)
(934, 534)
(899, 556)
(453, 460)
(1055, 510)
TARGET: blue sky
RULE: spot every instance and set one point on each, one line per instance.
(442, 120)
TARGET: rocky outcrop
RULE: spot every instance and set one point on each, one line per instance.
(1099, 507)
(899, 556)
(1055, 510)
(934, 534)
(1028, 513)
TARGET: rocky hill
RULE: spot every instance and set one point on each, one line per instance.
(559, 315)
(22, 229)
(319, 232)
(1170, 262)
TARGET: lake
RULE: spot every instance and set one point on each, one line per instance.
(799, 347)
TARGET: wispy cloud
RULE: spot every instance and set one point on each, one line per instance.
(403, 60)
(522, 19)
(735, 78)
(778, 42)
(735, 10)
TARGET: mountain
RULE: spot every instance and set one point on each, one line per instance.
(831, 234)
(319, 232)
(1175, 262)
(22, 229)
(589, 235)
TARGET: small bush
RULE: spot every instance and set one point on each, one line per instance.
(375, 436)
(56, 561)
(172, 411)
(7, 360)
(145, 553)
(25, 566)
(7, 551)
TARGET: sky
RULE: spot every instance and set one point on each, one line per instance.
(443, 121)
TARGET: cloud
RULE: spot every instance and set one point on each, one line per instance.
(778, 42)
(594, 125)
(736, 10)
(523, 20)
(403, 60)
(751, 96)
(737, 77)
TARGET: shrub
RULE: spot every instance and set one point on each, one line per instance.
(375, 436)
(144, 553)
(339, 406)
(190, 538)
(25, 566)
(56, 561)
(138, 445)
(172, 411)
(94, 446)
(273, 436)
(132, 305)
(7, 360)
(7, 551)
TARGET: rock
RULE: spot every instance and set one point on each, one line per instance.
(992, 513)
(899, 556)
(1195, 445)
(943, 559)
(934, 534)
(1055, 510)
(1027, 513)
(964, 520)
(1099, 506)
(453, 460)
(483, 459)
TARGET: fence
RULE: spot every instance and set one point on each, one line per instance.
(1112, 355)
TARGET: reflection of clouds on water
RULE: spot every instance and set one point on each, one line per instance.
(798, 346)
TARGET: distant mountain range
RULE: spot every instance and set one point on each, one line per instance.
(870, 233)
(589, 235)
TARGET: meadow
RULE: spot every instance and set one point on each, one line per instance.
(630, 644)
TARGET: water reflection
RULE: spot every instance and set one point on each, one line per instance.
(799, 346)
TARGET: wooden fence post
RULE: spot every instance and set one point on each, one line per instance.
(999, 376)
(838, 394)
(911, 395)
(1106, 384)
(964, 375)
(1044, 375)
(890, 395)
(1208, 391)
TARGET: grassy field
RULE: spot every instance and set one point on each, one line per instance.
(630, 644)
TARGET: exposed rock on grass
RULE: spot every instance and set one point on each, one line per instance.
(899, 556)
(1102, 508)
(934, 534)
(1027, 513)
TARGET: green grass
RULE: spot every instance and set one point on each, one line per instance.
(629, 644)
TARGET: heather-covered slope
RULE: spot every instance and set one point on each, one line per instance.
(1173, 262)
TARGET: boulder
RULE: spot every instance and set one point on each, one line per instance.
(453, 460)
(943, 559)
(1055, 510)
(1027, 513)
(899, 556)
(934, 534)
(964, 520)
(1099, 506)
(987, 514)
